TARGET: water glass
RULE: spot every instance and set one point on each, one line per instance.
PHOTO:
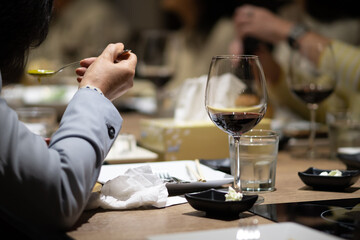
(344, 130)
(258, 158)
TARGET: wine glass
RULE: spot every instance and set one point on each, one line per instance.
(157, 57)
(312, 81)
(236, 99)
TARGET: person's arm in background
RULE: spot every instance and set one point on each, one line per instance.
(264, 25)
(46, 189)
(348, 72)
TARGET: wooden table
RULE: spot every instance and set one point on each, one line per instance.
(138, 224)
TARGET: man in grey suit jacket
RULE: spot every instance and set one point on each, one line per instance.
(44, 189)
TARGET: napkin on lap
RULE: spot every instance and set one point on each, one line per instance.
(138, 187)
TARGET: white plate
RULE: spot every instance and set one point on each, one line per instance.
(48, 94)
(177, 169)
(139, 154)
(349, 150)
(277, 231)
(125, 150)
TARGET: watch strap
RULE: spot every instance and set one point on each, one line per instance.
(295, 33)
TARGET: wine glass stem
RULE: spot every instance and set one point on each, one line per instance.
(312, 136)
(160, 111)
(158, 96)
(236, 160)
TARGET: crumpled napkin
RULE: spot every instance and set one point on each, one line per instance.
(137, 187)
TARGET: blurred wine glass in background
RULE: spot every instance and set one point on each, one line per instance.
(157, 57)
(312, 81)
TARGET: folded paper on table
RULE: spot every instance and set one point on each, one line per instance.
(137, 187)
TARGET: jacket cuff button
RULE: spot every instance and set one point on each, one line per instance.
(111, 131)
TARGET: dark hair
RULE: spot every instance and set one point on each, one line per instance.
(212, 10)
(23, 24)
(331, 10)
(209, 12)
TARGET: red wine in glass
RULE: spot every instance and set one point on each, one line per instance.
(312, 95)
(236, 123)
(313, 78)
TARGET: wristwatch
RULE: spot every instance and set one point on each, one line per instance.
(295, 33)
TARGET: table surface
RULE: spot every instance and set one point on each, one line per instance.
(140, 223)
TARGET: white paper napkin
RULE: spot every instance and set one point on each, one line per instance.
(190, 103)
(137, 187)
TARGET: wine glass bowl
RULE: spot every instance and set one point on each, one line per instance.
(156, 60)
(157, 52)
(234, 123)
(312, 80)
(236, 99)
(157, 56)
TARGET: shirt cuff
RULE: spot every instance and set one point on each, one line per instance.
(93, 88)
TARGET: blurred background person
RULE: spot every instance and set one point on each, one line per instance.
(339, 24)
(203, 28)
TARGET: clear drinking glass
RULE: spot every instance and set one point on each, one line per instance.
(236, 99)
(258, 155)
(157, 57)
(312, 81)
(40, 120)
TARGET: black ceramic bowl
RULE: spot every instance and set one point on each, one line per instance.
(213, 202)
(351, 157)
(311, 177)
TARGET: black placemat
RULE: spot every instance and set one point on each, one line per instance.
(337, 217)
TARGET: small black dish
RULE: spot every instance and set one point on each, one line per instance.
(311, 177)
(213, 203)
(222, 165)
(349, 158)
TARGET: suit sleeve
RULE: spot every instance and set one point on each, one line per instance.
(48, 187)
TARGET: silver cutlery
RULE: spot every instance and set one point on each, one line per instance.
(166, 177)
(48, 73)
